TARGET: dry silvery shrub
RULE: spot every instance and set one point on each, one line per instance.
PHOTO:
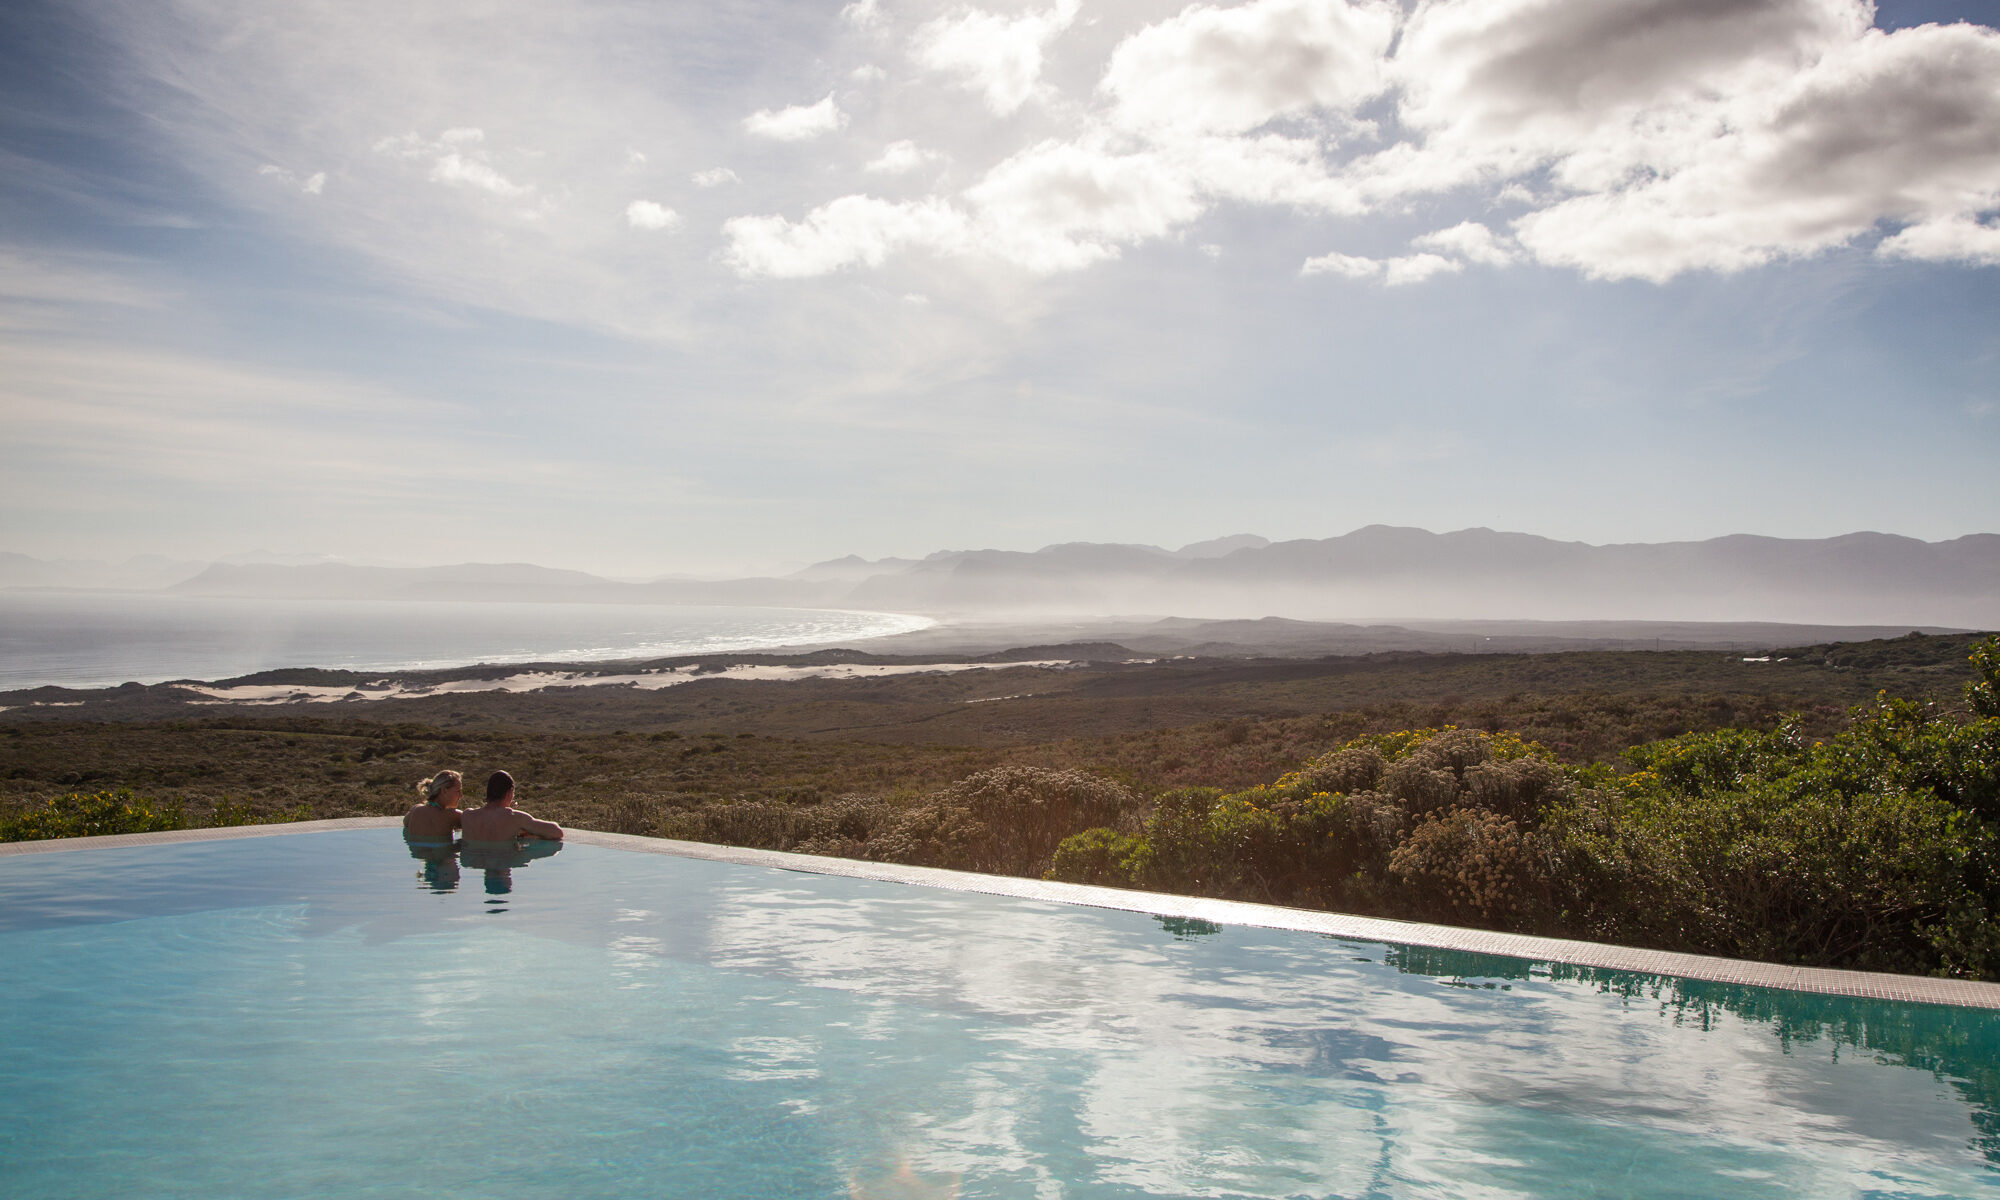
(1420, 785)
(1454, 750)
(1348, 769)
(1375, 822)
(1472, 861)
(1515, 787)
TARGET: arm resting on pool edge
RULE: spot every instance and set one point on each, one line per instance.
(531, 827)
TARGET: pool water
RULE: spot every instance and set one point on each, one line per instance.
(325, 1015)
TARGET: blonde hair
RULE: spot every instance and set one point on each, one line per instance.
(436, 785)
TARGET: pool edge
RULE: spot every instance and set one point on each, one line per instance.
(1909, 989)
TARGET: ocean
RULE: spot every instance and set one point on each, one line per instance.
(102, 639)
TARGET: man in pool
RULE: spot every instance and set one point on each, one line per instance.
(499, 821)
(435, 817)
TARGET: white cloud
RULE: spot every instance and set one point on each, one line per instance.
(1393, 272)
(898, 158)
(1952, 239)
(314, 184)
(850, 231)
(1505, 86)
(1899, 128)
(1059, 206)
(714, 177)
(1644, 140)
(647, 214)
(1470, 241)
(1415, 268)
(868, 73)
(1227, 70)
(998, 57)
(800, 122)
(863, 13)
(1348, 266)
(1267, 169)
(1065, 205)
(474, 172)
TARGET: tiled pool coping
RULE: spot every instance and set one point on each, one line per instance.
(1913, 989)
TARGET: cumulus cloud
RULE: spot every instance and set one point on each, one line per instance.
(1059, 206)
(1064, 205)
(863, 13)
(899, 158)
(850, 231)
(1952, 239)
(1348, 266)
(1900, 129)
(714, 177)
(1415, 268)
(1470, 241)
(1392, 272)
(998, 57)
(1676, 137)
(647, 214)
(1227, 70)
(1643, 139)
(799, 123)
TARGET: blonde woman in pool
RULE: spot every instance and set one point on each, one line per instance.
(436, 815)
(499, 821)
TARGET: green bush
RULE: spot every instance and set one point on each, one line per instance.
(93, 814)
(1875, 849)
(90, 814)
(1008, 820)
(1097, 856)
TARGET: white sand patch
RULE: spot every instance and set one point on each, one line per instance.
(536, 681)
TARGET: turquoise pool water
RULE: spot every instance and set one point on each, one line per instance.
(323, 1015)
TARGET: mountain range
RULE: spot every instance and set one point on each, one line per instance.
(1379, 572)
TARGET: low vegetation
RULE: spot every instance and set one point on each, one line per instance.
(93, 814)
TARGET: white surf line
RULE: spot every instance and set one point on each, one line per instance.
(536, 681)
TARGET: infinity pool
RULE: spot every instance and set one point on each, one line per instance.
(324, 1015)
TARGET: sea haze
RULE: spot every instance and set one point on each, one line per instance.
(85, 639)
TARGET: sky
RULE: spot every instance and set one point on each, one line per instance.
(655, 287)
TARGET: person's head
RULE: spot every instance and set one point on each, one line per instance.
(444, 788)
(499, 786)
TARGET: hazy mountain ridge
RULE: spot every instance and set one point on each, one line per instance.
(1373, 573)
(144, 572)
